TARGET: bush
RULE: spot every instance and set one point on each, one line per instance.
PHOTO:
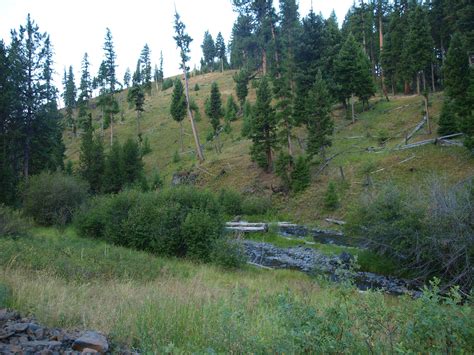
(255, 205)
(52, 198)
(196, 87)
(430, 232)
(177, 222)
(228, 254)
(231, 202)
(12, 223)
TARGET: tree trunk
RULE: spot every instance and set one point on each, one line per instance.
(139, 130)
(382, 78)
(290, 145)
(191, 119)
(111, 130)
(427, 113)
(222, 65)
(418, 83)
(181, 136)
(352, 108)
(424, 80)
(433, 78)
(264, 62)
(407, 87)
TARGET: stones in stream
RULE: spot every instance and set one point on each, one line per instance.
(311, 261)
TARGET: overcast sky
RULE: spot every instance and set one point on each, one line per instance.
(79, 26)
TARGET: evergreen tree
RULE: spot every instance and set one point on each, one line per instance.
(352, 71)
(178, 107)
(241, 79)
(127, 77)
(159, 75)
(209, 52)
(85, 89)
(214, 109)
(69, 96)
(113, 179)
(91, 158)
(132, 162)
(231, 109)
(145, 69)
(136, 96)
(417, 52)
(300, 176)
(318, 112)
(263, 127)
(221, 51)
(183, 41)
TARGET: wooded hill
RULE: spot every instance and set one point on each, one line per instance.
(365, 150)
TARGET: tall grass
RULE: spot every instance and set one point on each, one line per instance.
(165, 305)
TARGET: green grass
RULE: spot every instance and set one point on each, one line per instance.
(159, 305)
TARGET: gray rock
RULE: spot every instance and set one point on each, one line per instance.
(91, 340)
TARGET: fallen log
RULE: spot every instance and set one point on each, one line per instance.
(416, 129)
(335, 221)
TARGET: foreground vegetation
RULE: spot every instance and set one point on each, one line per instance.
(149, 303)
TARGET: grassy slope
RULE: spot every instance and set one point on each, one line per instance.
(233, 168)
(163, 305)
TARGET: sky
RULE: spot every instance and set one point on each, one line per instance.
(76, 27)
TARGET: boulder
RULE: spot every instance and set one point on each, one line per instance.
(91, 340)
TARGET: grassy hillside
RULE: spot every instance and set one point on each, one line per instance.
(363, 150)
(162, 305)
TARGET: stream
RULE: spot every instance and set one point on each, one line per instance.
(311, 261)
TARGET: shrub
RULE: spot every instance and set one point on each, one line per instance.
(196, 87)
(282, 167)
(331, 200)
(177, 222)
(228, 254)
(430, 232)
(52, 198)
(255, 205)
(12, 223)
(230, 201)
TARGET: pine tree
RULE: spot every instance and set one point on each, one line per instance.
(136, 96)
(352, 70)
(263, 127)
(178, 107)
(114, 176)
(91, 158)
(69, 96)
(145, 69)
(127, 77)
(300, 176)
(183, 41)
(209, 52)
(318, 112)
(132, 162)
(241, 79)
(221, 51)
(231, 109)
(214, 111)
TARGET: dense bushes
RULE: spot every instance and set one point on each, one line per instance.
(228, 253)
(176, 222)
(12, 223)
(52, 198)
(254, 205)
(431, 233)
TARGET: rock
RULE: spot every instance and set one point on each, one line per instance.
(5, 334)
(89, 351)
(91, 340)
(20, 327)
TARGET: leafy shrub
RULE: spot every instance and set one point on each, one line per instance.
(430, 232)
(331, 200)
(231, 202)
(228, 254)
(254, 205)
(177, 222)
(167, 83)
(12, 223)
(52, 198)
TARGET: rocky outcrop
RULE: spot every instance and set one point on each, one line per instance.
(25, 336)
(335, 267)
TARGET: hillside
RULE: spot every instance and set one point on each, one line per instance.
(362, 149)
